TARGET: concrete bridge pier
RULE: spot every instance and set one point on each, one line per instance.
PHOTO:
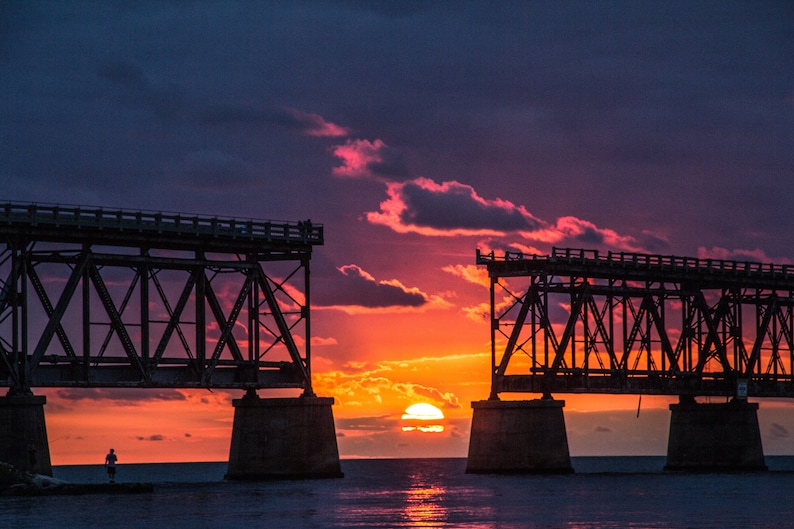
(283, 438)
(23, 433)
(518, 437)
(707, 437)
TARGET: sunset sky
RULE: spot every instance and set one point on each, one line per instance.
(415, 132)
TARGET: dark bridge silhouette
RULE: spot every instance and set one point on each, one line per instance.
(580, 321)
(93, 297)
(634, 323)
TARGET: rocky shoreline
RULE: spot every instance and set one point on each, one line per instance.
(14, 482)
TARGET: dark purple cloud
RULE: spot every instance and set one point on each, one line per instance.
(131, 86)
(457, 206)
(120, 395)
(426, 207)
(235, 115)
(154, 437)
(352, 286)
(380, 423)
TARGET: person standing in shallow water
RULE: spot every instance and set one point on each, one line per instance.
(110, 465)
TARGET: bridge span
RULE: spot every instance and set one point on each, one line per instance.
(583, 321)
(93, 297)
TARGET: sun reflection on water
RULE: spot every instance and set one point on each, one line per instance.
(417, 493)
(424, 504)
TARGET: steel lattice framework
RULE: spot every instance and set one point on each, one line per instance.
(113, 298)
(579, 321)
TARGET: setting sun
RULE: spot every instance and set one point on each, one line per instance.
(422, 417)
(422, 411)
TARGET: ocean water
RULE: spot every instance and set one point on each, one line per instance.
(610, 492)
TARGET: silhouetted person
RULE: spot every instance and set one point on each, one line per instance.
(110, 465)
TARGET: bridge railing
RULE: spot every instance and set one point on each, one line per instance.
(670, 263)
(81, 217)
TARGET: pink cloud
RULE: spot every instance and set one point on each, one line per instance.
(368, 159)
(356, 157)
(585, 232)
(316, 340)
(315, 125)
(455, 209)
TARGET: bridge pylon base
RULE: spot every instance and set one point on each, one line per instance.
(23, 434)
(518, 437)
(283, 438)
(706, 437)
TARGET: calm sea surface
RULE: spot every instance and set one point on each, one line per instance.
(605, 492)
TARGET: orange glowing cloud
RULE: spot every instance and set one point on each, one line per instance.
(479, 313)
(394, 383)
(370, 398)
(477, 275)
(371, 389)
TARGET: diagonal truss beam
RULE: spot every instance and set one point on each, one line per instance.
(284, 329)
(115, 321)
(175, 314)
(226, 325)
(54, 321)
(50, 310)
(601, 329)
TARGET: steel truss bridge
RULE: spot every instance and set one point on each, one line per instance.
(579, 321)
(113, 298)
